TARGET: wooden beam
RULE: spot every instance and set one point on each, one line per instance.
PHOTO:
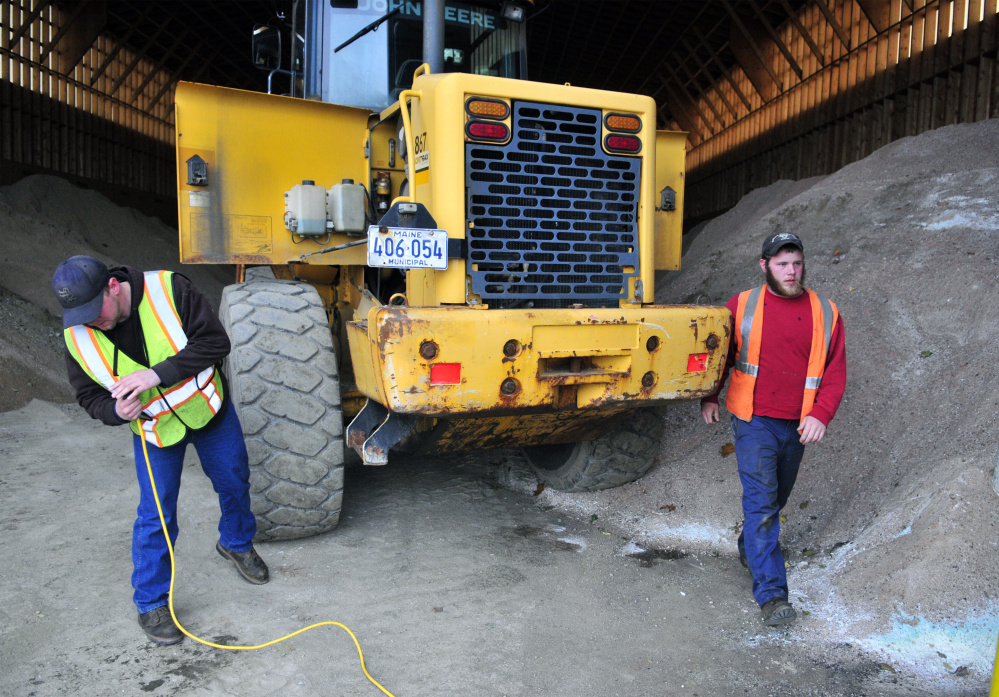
(63, 28)
(777, 40)
(702, 95)
(648, 46)
(691, 51)
(724, 70)
(111, 56)
(159, 66)
(620, 54)
(878, 13)
(690, 101)
(139, 55)
(752, 45)
(837, 27)
(177, 75)
(796, 21)
(28, 21)
(76, 43)
(597, 65)
(567, 37)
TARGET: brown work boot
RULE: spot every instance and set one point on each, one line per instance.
(159, 626)
(777, 611)
(249, 564)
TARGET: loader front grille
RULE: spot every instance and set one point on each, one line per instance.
(554, 218)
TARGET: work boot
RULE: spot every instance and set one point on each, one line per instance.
(159, 626)
(249, 564)
(777, 611)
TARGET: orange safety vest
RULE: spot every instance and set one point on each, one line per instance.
(748, 338)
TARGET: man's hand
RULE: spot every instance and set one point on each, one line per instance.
(128, 409)
(709, 410)
(135, 383)
(812, 430)
(127, 390)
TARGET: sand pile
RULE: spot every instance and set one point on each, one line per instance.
(44, 220)
(893, 525)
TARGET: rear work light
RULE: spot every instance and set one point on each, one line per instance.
(446, 374)
(490, 108)
(623, 122)
(623, 144)
(697, 362)
(487, 130)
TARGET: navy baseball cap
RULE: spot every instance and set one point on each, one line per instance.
(775, 243)
(79, 283)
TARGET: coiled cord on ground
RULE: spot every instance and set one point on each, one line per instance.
(173, 570)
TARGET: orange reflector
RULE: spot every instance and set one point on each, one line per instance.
(446, 373)
(487, 130)
(487, 107)
(697, 362)
(623, 144)
(617, 122)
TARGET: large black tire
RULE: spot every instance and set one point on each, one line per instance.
(283, 380)
(620, 456)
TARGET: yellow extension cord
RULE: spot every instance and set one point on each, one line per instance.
(173, 570)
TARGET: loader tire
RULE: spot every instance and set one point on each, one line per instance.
(620, 456)
(283, 380)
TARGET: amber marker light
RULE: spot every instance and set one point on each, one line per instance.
(621, 122)
(697, 362)
(623, 144)
(487, 130)
(489, 108)
(445, 374)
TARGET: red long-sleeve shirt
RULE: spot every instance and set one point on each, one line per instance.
(784, 349)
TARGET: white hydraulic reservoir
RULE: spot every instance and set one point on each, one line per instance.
(305, 209)
(346, 207)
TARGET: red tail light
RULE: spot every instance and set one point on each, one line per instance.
(487, 130)
(625, 144)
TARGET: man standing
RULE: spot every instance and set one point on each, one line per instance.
(144, 349)
(789, 358)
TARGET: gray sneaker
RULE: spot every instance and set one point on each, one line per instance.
(778, 611)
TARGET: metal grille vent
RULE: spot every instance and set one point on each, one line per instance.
(554, 216)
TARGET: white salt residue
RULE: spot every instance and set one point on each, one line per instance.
(575, 542)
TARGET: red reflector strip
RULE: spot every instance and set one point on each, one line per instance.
(697, 362)
(624, 143)
(487, 130)
(446, 373)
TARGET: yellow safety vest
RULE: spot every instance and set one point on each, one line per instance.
(194, 400)
(748, 339)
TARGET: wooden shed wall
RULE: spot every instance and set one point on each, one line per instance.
(931, 64)
(106, 118)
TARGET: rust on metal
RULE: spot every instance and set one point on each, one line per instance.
(652, 345)
(711, 342)
(648, 380)
(428, 349)
(511, 348)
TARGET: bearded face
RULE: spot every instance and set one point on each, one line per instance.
(786, 273)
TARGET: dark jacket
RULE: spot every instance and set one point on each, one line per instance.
(207, 344)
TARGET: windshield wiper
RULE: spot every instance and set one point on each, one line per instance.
(371, 27)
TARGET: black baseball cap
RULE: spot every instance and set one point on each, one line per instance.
(79, 283)
(776, 242)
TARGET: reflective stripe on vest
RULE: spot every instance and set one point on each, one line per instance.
(196, 399)
(749, 322)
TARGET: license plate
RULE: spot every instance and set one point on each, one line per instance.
(407, 248)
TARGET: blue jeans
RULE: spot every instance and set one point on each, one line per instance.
(769, 453)
(222, 452)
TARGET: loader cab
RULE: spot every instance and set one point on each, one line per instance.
(342, 65)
